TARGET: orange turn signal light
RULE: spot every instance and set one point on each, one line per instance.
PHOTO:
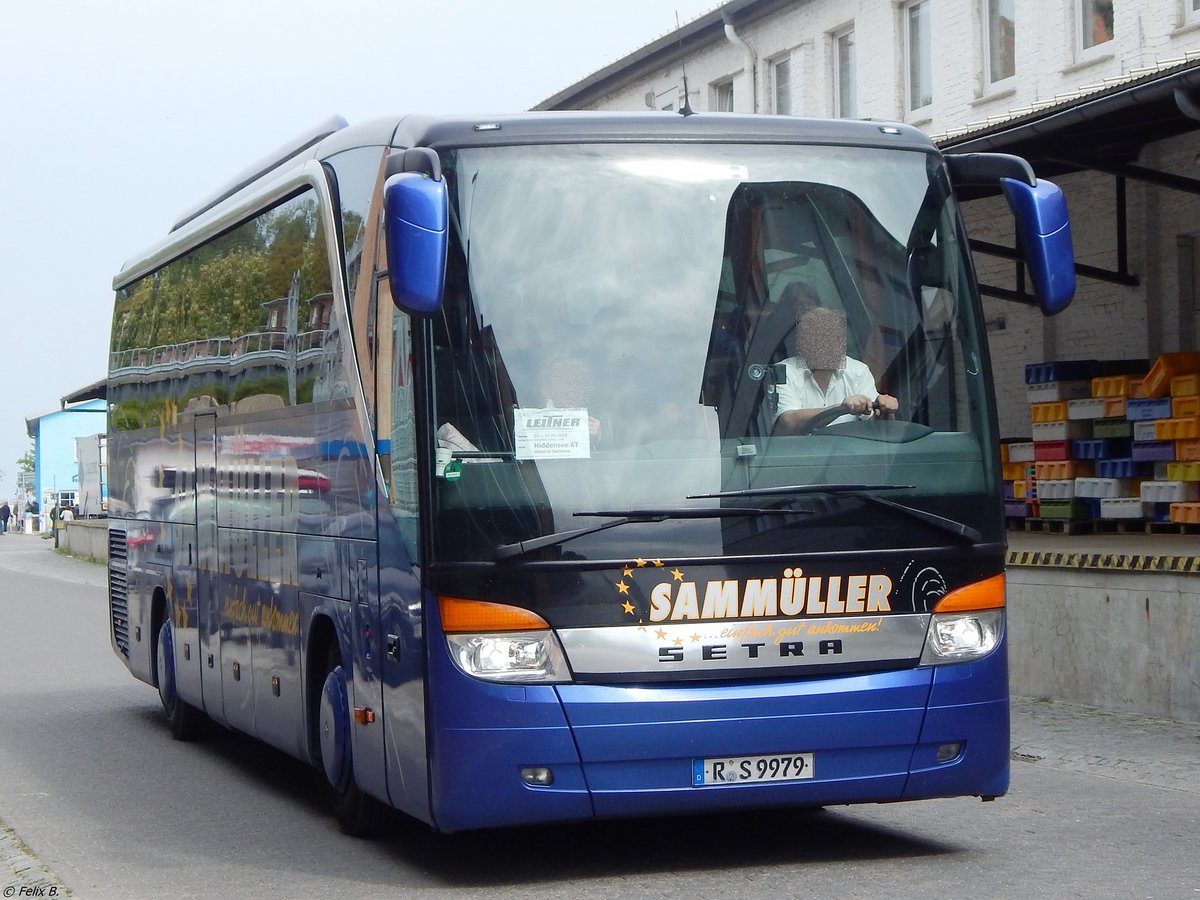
(986, 594)
(461, 616)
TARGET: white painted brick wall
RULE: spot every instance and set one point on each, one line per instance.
(1146, 33)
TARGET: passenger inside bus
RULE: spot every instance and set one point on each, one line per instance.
(821, 376)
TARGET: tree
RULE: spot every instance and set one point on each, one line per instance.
(27, 463)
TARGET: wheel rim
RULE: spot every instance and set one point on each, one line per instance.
(334, 727)
(165, 664)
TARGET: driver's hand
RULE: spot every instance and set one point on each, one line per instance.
(858, 404)
(886, 406)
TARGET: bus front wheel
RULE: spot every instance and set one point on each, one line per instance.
(185, 721)
(357, 813)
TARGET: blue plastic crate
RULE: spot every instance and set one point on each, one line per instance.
(1158, 512)
(1099, 448)
(1064, 370)
(1125, 467)
(1148, 408)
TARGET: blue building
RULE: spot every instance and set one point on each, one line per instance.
(56, 467)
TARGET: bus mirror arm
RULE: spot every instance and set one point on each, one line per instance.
(416, 216)
(1043, 227)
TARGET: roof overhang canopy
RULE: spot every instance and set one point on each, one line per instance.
(1103, 128)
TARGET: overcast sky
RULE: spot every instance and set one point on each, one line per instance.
(117, 116)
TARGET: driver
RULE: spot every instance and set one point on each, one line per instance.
(821, 376)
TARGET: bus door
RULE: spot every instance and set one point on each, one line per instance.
(207, 572)
(367, 669)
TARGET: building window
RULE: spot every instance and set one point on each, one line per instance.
(1192, 10)
(845, 79)
(723, 96)
(1096, 22)
(918, 55)
(781, 85)
(1000, 40)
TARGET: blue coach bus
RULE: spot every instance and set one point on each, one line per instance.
(446, 455)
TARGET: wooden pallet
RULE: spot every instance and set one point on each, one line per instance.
(1060, 526)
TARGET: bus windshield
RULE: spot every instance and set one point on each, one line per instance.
(627, 327)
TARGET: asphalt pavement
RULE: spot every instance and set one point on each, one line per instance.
(1141, 749)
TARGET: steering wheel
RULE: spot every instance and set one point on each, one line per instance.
(826, 417)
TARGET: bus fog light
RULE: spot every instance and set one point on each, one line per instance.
(958, 637)
(948, 752)
(537, 776)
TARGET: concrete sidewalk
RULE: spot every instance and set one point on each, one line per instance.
(32, 554)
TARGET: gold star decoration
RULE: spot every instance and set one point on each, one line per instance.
(628, 607)
(677, 575)
(622, 587)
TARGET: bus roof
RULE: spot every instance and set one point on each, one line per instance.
(333, 136)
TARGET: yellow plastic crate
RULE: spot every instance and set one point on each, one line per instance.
(1183, 471)
(1185, 385)
(1111, 386)
(1055, 411)
(1177, 429)
(1185, 406)
(1062, 469)
(1187, 451)
(1166, 367)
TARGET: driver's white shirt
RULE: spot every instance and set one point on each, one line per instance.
(801, 390)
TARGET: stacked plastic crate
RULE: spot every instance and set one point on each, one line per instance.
(1166, 426)
(1112, 491)
(1020, 488)
(1051, 480)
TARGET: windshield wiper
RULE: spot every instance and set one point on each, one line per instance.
(628, 516)
(959, 530)
(802, 489)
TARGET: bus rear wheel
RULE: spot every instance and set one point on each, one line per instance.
(357, 813)
(185, 721)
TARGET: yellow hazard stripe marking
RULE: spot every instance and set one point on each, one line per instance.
(1121, 562)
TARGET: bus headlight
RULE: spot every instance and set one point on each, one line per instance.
(958, 637)
(525, 656)
(967, 623)
(496, 642)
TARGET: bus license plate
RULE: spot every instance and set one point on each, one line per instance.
(752, 769)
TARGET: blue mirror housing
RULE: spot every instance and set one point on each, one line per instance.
(1045, 231)
(416, 213)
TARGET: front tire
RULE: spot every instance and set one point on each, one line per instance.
(185, 721)
(357, 813)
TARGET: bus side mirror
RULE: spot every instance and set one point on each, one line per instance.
(1045, 230)
(416, 213)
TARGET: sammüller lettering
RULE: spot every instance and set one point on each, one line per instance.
(795, 594)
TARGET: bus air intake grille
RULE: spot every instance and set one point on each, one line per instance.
(118, 590)
(118, 548)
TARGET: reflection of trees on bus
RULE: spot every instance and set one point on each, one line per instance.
(247, 315)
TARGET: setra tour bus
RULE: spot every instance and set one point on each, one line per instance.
(485, 465)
